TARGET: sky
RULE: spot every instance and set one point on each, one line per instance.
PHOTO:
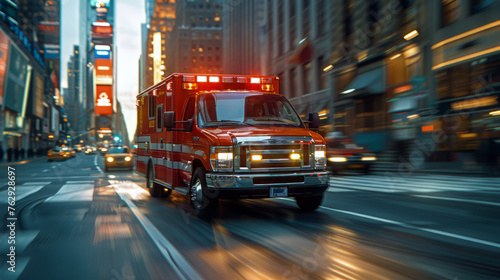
(129, 15)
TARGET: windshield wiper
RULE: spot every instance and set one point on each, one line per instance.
(227, 123)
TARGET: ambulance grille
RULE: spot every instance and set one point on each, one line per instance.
(275, 156)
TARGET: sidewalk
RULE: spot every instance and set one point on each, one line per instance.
(24, 161)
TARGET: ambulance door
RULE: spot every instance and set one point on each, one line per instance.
(186, 137)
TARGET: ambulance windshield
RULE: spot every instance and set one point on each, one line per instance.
(239, 109)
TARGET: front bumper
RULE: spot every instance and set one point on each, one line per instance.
(258, 185)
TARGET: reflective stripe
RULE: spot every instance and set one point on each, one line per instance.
(167, 163)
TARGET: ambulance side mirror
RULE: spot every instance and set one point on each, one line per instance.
(313, 121)
(169, 120)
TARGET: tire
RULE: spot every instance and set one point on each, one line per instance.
(204, 201)
(155, 189)
(309, 203)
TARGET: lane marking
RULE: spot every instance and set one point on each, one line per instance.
(438, 232)
(73, 192)
(460, 200)
(181, 267)
(97, 166)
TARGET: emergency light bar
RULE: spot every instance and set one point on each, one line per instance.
(190, 82)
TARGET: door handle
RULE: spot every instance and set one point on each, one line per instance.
(161, 143)
(196, 138)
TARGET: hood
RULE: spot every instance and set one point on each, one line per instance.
(226, 134)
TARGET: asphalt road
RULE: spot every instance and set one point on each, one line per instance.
(73, 221)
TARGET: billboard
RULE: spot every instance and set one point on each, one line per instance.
(103, 71)
(38, 94)
(103, 100)
(17, 75)
(4, 54)
(99, 3)
(102, 52)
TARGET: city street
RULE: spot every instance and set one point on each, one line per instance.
(76, 222)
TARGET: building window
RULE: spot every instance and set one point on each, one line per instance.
(321, 17)
(478, 5)
(291, 83)
(305, 19)
(347, 21)
(450, 11)
(307, 79)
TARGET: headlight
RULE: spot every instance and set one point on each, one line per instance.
(319, 156)
(221, 158)
(110, 159)
(127, 158)
(369, 157)
(337, 159)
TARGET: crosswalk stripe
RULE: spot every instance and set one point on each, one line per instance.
(432, 183)
(74, 192)
(23, 190)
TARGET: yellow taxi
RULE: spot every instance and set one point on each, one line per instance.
(58, 153)
(118, 157)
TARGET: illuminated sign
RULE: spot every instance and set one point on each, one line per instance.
(402, 89)
(157, 57)
(103, 72)
(102, 28)
(474, 103)
(104, 100)
(99, 3)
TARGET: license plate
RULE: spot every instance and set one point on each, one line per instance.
(356, 166)
(278, 192)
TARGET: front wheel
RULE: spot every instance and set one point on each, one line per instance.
(309, 203)
(203, 200)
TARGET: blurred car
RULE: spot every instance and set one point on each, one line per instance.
(72, 152)
(89, 150)
(342, 155)
(103, 150)
(57, 153)
(118, 157)
(78, 148)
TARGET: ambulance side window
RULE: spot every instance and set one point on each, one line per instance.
(159, 114)
(189, 112)
(152, 107)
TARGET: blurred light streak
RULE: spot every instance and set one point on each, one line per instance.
(414, 116)
(411, 35)
(468, 33)
(460, 59)
(396, 56)
(346, 264)
(468, 135)
(495, 113)
(348, 91)
(328, 68)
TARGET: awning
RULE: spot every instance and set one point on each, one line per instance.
(404, 104)
(372, 82)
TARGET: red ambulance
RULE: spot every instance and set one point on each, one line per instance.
(227, 137)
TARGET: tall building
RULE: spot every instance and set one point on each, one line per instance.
(196, 43)
(297, 48)
(243, 34)
(29, 54)
(71, 97)
(465, 73)
(159, 33)
(97, 69)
